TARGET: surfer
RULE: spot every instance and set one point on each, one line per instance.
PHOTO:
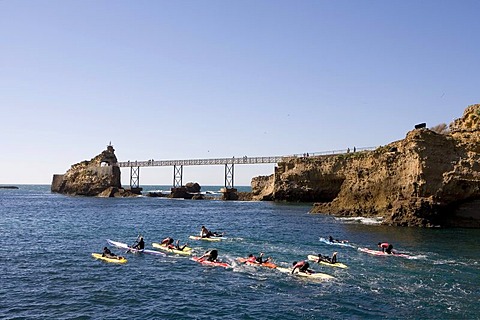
(332, 240)
(259, 259)
(323, 258)
(210, 255)
(334, 258)
(205, 233)
(167, 242)
(178, 247)
(140, 244)
(386, 247)
(303, 266)
(109, 254)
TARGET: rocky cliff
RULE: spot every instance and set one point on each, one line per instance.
(98, 177)
(426, 179)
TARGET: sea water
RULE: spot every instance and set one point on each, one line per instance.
(47, 271)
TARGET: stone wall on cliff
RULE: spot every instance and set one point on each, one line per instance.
(425, 179)
(91, 178)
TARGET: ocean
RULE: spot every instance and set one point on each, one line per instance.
(47, 271)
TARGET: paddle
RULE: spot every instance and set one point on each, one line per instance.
(130, 248)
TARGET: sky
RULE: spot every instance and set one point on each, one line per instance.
(208, 79)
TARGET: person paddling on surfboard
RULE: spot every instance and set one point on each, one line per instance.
(109, 254)
(332, 240)
(334, 258)
(210, 255)
(178, 247)
(205, 233)
(260, 259)
(323, 258)
(140, 244)
(386, 247)
(303, 266)
(168, 242)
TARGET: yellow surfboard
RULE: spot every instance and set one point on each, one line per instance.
(107, 259)
(187, 251)
(312, 257)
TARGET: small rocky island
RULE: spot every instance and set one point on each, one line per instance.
(430, 178)
(98, 177)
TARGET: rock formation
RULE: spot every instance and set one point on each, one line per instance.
(426, 179)
(98, 177)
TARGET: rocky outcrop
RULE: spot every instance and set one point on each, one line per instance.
(426, 179)
(193, 187)
(98, 177)
(189, 191)
(262, 188)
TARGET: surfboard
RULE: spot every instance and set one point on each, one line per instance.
(187, 251)
(214, 239)
(314, 258)
(211, 263)
(127, 248)
(381, 253)
(264, 264)
(108, 259)
(315, 275)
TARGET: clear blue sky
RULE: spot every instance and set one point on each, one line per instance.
(208, 79)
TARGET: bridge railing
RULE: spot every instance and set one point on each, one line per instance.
(234, 160)
(199, 162)
(334, 152)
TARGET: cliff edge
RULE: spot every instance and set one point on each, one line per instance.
(426, 179)
(98, 177)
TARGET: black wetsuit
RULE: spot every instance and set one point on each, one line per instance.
(389, 249)
(107, 253)
(213, 255)
(305, 267)
(140, 245)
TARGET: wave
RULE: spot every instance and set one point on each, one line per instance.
(362, 220)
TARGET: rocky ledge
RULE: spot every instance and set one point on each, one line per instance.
(430, 178)
(98, 177)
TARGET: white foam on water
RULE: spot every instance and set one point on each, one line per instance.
(363, 220)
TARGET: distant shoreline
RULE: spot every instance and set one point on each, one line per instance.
(8, 187)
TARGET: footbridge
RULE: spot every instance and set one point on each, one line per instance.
(178, 165)
(228, 163)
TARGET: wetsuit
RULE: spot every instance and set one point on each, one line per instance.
(212, 255)
(323, 258)
(386, 247)
(107, 253)
(168, 242)
(205, 233)
(334, 258)
(302, 266)
(259, 259)
(140, 245)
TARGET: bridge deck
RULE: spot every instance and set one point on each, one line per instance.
(199, 162)
(233, 160)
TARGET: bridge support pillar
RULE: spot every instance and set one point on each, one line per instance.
(177, 176)
(229, 192)
(228, 175)
(135, 180)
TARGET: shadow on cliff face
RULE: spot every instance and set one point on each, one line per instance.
(463, 214)
(329, 190)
